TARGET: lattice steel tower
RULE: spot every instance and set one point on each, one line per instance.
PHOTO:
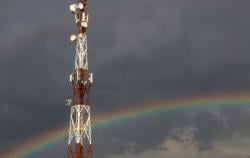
(79, 143)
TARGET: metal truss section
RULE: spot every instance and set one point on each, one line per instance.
(80, 124)
(81, 58)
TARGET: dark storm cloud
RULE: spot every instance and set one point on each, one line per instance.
(22, 88)
(169, 48)
(139, 51)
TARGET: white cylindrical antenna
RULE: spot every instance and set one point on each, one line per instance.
(76, 19)
(83, 16)
(87, 18)
(91, 78)
(71, 78)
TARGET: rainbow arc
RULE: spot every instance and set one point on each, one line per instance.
(51, 138)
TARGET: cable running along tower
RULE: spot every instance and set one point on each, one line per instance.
(80, 143)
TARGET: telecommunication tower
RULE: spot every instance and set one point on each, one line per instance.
(79, 141)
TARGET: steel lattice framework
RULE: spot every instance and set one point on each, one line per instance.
(80, 143)
(81, 58)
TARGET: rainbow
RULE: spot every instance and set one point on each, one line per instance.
(46, 140)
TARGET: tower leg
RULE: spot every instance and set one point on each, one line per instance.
(78, 151)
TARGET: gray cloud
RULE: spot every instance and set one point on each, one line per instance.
(185, 147)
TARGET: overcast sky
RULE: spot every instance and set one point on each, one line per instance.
(140, 51)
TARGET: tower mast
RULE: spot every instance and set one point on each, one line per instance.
(80, 143)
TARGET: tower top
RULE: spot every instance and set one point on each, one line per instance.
(81, 20)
